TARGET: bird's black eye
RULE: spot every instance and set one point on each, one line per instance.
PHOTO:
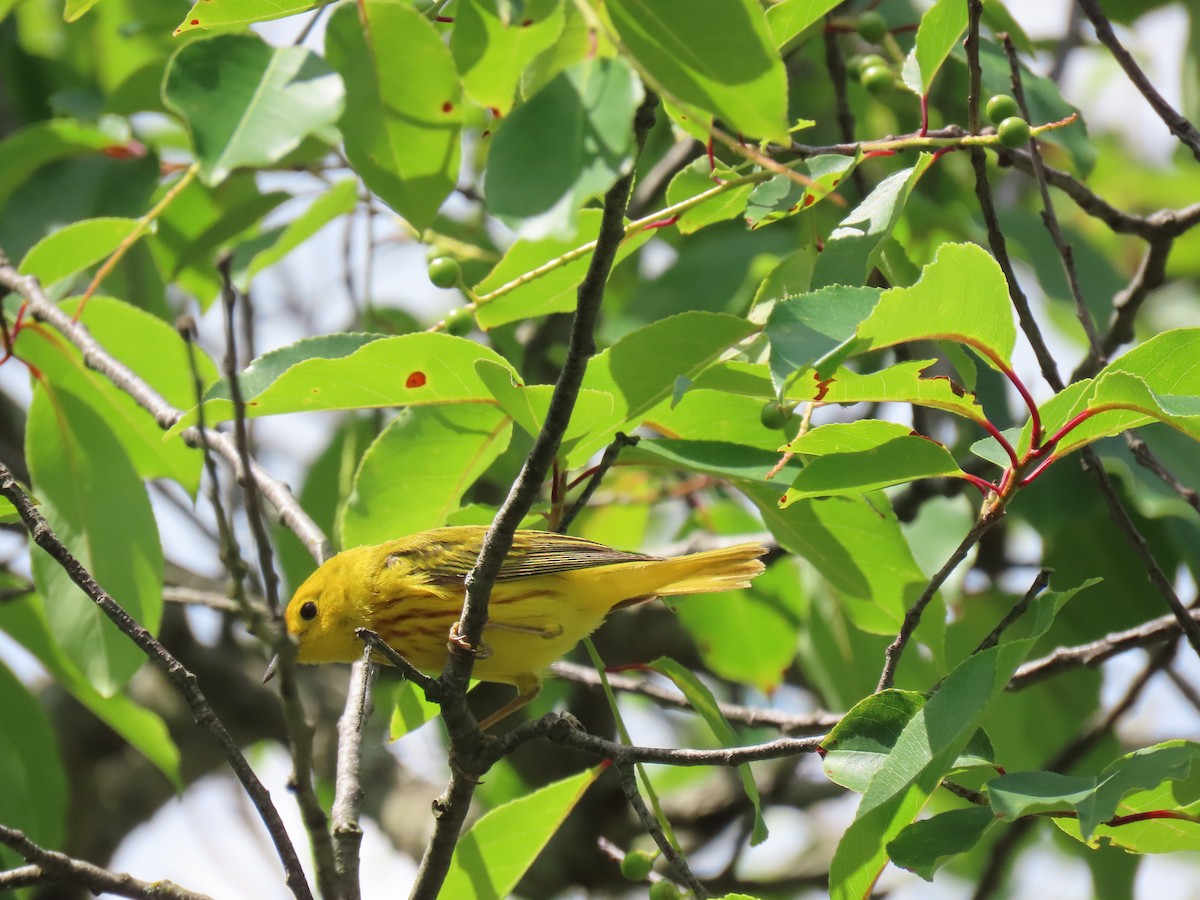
(308, 611)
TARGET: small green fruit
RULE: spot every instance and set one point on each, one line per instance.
(444, 271)
(775, 415)
(1014, 132)
(1001, 107)
(872, 27)
(871, 59)
(878, 80)
(664, 890)
(854, 65)
(637, 865)
(459, 322)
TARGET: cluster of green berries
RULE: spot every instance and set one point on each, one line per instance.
(1003, 112)
(872, 70)
(636, 866)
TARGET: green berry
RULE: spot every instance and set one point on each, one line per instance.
(637, 865)
(664, 890)
(459, 322)
(871, 59)
(872, 27)
(1014, 132)
(878, 80)
(854, 65)
(1001, 107)
(775, 415)
(444, 271)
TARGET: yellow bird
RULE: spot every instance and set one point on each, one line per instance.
(552, 591)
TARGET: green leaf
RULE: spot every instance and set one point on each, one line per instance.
(697, 178)
(1094, 798)
(717, 55)
(26, 621)
(641, 369)
(199, 223)
(229, 13)
(901, 383)
(962, 296)
(337, 201)
(580, 128)
(924, 846)
(410, 709)
(98, 507)
(783, 196)
(416, 472)
(702, 700)
(33, 785)
(859, 745)
(790, 17)
(24, 152)
(928, 747)
(248, 104)
(941, 27)
(492, 45)
(528, 404)
(551, 292)
(856, 545)
(721, 459)
(1154, 381)
(747, 636)
(155, 352)
(356, 371)
(403, 104)
(855, 245)
(701, 414)
(815, 330)
(73, 248)
(492, 855)
(897, 460)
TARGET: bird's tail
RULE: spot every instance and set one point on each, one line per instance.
(723, 569)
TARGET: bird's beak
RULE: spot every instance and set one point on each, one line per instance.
(272, 668)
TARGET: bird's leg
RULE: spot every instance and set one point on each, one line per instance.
(528, 687)
(456, 640)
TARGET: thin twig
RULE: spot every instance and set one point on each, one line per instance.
(606, 462)
(1018, 610)
(1176, 122)
(912, 617)
(753, 716)
(628, 779)
(299, 730)
(52, 867)
(1049, 216)
(1148, 634)
(430, 686)
(183, 680)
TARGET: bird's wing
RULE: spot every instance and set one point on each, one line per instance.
(533, 553)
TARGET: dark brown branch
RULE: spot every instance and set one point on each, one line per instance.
(183, 680)
(1049, 216)
(1176, 122)
(1148, 634)
(789, 723)
(912, 617)
(606, 462)
(1018, 610)
(628, 778)
(466, 739)
(49, 867)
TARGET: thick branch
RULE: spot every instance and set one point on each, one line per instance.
(466, 739)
